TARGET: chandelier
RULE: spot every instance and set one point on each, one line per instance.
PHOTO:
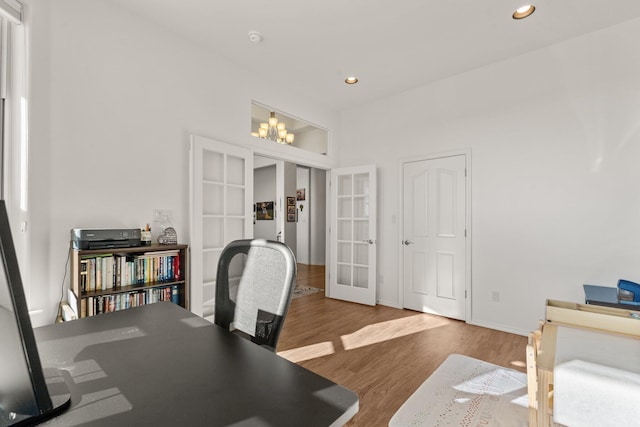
(274, 131)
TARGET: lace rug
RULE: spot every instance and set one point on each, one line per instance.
(301, 291)
(468, 392)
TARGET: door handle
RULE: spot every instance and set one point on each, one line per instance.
(407, 242)
(369, 241)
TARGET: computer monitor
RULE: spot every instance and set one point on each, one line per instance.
(25, 398)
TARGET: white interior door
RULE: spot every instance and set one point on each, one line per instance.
(434, 236)
(352, 235)
(221, 191)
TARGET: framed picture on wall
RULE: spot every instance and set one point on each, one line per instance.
(264, 211)
(300, 194)
(291, 201)
(291, 217)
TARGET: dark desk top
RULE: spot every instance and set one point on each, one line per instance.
(161, 365)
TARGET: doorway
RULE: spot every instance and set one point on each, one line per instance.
(435, 246)
(299, 213)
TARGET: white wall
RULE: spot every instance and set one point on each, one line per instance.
(312, 139)
(312, 217)
(264, 190)
(555, 170)
(318, 216)
(113, 100)
(302, 226)
(290, 234)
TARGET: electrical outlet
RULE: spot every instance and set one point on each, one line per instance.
(495, 296)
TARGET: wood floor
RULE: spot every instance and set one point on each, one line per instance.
(382, 354)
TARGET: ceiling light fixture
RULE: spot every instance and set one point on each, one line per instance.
(274, 131)
(524, 11)
(351, 80)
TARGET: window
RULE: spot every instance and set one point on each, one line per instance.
(12, 100)
(305, 135)
(13, 128)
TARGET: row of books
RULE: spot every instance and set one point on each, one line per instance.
(111, 271)
(94, 305)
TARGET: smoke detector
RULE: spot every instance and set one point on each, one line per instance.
(255, 37)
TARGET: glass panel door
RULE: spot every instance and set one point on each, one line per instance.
(352, 235)
(221, 211)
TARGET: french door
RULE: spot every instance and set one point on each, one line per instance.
(352, 235)
(221, 194)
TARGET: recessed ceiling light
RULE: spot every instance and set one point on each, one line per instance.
(351, 80)
(524, 11)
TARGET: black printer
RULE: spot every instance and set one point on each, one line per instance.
(105, 238)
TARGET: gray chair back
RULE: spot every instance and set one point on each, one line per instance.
(254, 285)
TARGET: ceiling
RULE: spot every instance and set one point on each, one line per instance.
(390, 45)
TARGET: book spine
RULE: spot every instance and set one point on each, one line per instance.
(175, 294)
(98, 274)
(111, 274)
(92, 274)
(83, 274)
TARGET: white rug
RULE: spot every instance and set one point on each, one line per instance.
(300, 291)
(467, 392)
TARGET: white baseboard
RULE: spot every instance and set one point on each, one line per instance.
(388, 304)
(489, 325)
(498, 327)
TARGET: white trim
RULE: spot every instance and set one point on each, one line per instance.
(389, 304)
(468, 270)
(4, 58)
(287, 153)
(11, 10)
(497, 327)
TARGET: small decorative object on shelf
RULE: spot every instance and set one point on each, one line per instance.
(168, 237)
(145, 236)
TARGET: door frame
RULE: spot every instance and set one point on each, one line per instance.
(467, 221)
(277, 152)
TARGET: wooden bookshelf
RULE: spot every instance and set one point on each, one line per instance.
(105, 280)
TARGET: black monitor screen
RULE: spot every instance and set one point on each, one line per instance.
(24, 397)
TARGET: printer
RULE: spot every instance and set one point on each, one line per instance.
(628, 292)
(82, 238)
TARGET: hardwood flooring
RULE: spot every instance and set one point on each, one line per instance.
(310, 275)
(381, 353)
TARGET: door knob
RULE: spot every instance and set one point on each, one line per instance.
(407, 242)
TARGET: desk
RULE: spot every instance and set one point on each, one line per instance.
(161, 365)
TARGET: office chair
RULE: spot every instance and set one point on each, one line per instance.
(254, 285)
